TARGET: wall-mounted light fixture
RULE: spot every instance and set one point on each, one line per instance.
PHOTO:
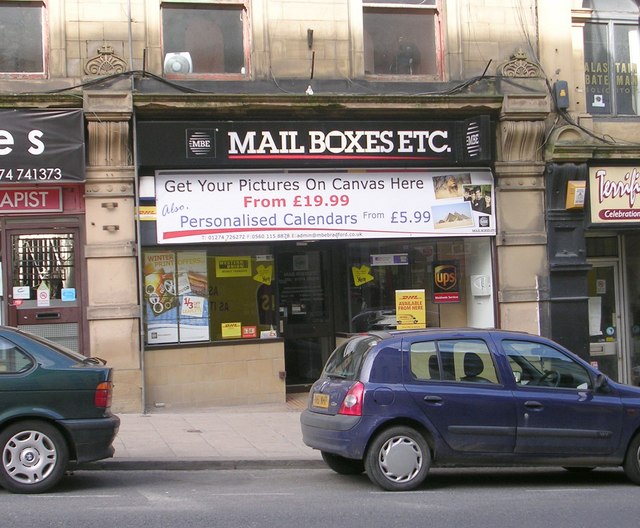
(109, 205)
(112, 228)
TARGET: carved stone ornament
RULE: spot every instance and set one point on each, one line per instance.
(520, 66)
(105, 63)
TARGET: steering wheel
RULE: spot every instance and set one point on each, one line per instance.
(550, 378)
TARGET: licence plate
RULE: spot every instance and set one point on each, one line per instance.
(321, 400)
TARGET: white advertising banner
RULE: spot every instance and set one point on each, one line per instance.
(210, 206)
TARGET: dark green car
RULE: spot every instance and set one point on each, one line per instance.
(54, 411)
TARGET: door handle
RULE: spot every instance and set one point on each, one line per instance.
(433, 399)
(532, 404)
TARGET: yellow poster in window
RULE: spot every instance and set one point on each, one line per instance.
(361, 275)
(233, 267)
(231, 330)
(411, 309)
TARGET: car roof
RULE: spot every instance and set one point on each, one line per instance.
(388, 334)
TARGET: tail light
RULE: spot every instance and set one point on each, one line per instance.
(352, 403)
(104, 393)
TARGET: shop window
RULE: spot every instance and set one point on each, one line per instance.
(632, 270)
(193, 296)
(452, 275)
(21, 38)
(401, 38)
(204, 39)
(612, 57)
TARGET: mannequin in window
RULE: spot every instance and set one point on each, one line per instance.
(407, 58)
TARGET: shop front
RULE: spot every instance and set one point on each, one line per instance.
(42, 175)
(613, 282)
(265, 243)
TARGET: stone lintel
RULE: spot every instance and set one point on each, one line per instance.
(120, 311)
(107, 104)
(117, 250)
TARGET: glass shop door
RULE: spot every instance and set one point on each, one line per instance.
(606, 330)
(43, 279)
(304, 284)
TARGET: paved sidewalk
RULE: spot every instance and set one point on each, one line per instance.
(223, 437)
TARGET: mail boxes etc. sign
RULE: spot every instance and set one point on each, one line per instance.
(41, 146)
(181, 144)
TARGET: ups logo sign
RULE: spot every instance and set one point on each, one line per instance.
(445, 277)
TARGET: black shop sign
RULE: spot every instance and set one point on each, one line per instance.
(191, 144)
(41, 146)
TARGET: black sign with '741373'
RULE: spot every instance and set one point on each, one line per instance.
(40, 146)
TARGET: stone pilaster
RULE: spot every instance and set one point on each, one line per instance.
(113, 310)
(520, 199)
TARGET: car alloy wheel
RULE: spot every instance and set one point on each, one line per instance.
(34, 457)
(398, 459)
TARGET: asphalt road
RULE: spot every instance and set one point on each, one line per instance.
(284, 498)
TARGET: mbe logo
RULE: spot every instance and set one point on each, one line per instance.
(201, 143)
(472, 140)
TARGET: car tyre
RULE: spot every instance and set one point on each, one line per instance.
(632, 460)
(34, 457)
(342, 465)
(398, 459)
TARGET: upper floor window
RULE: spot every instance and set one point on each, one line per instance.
(21, 38)
(612, 57)
(402, 37)
(204, 38)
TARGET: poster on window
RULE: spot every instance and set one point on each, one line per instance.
(210, 207)
(160, 297)
(411, 309)
(193, 295)
(446, 286)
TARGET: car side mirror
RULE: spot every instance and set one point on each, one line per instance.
(602, 383)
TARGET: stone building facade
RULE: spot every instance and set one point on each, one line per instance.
(144, 74)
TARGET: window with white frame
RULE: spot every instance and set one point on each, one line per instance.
(204, 38)
(612, 57)
(21, 38)
(401, 38)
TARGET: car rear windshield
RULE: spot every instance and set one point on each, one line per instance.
(346, 360)
(56, 346)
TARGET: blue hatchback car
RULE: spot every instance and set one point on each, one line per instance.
(396, 403)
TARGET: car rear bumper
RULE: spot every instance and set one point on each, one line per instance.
(333, 433)
(92, 439)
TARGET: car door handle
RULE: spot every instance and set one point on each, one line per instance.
(432, 399)
(532, 404)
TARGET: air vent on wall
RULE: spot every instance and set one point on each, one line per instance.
(178, 62)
